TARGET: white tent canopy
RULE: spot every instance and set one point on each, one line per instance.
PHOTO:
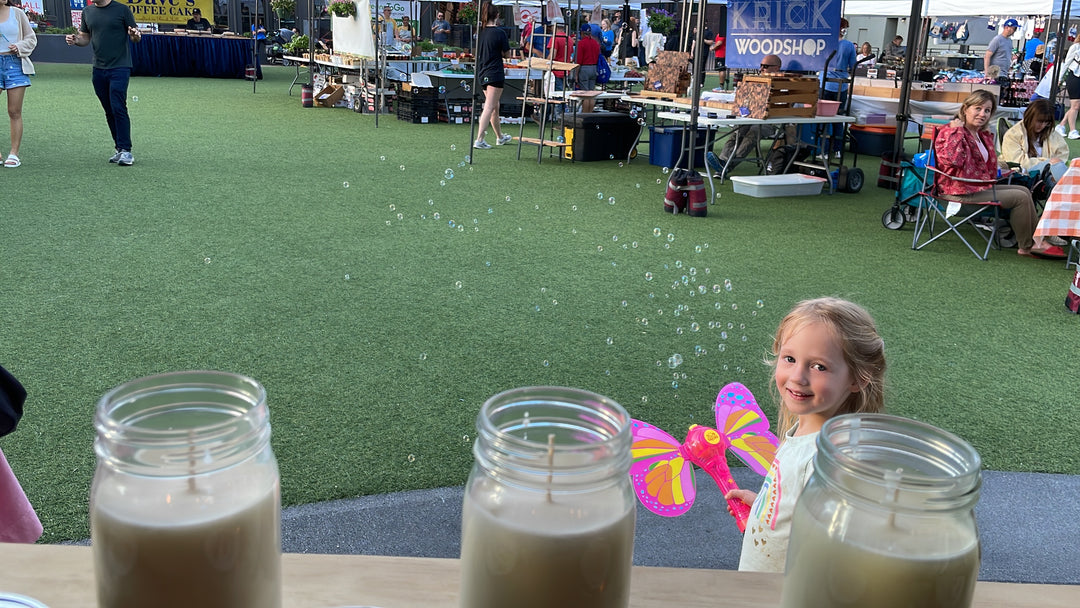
(951, 8)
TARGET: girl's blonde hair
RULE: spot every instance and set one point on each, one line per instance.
(863, 349)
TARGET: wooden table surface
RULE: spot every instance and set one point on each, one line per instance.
(61, 576)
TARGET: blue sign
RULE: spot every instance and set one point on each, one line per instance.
(801, 32)
(78, 5)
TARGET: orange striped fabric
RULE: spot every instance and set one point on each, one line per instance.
(1061, 216)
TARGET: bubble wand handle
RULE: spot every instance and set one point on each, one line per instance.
(707, 448)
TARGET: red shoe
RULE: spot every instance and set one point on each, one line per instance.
(1052, 253)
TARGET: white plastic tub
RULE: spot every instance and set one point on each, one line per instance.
(765, 186)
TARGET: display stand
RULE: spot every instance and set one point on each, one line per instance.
(542, 103)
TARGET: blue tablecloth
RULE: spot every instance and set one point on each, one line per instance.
(199, 56)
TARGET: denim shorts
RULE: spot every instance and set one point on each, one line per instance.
(11, 74)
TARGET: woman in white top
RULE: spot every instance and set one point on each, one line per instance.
(1033, 144)
(17, 41)
(864, 52)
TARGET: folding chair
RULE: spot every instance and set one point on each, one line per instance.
(937, 215)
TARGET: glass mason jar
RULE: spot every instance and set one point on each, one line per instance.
(887, 519)
(549, 512)
(185, 507)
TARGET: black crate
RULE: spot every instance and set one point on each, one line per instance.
(602, 135)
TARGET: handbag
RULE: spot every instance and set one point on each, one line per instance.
(603, 71)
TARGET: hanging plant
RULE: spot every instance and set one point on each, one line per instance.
(283, 7)
(467, 13)
(343, 8)
(661, 21)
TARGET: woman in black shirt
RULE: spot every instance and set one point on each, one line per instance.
(491, 45)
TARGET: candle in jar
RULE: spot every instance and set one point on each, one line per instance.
(881, 560)
(520, 549)
(182, 548)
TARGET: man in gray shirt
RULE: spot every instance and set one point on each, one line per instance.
(999, 51)
(440, 29)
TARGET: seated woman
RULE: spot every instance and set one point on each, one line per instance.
(965, 149)
(1033, 143)
(864, 52)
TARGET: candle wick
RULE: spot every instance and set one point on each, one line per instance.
(892, 490)
(191, 462)
(551, 463)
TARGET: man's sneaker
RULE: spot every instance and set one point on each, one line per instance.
(1074, 134)
(1060, 129)
(481, 145)
(126, 159)
(115, 158)
(713, 161)
(505, 139)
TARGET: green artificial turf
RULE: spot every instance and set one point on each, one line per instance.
(381, 301)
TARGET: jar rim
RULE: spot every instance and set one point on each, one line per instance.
(588, 435)
(902, 454)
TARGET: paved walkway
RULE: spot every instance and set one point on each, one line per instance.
(1028, 526)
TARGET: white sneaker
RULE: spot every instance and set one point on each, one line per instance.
(481, 145)
(505, 139)
(1060, 129)
(1074, 134)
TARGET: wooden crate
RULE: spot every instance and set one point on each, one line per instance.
(669, 74)
(775, 96)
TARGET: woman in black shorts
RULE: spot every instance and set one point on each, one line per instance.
(491, 45)
(1072, 86)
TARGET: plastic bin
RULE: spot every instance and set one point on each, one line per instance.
(872, 140)
(665, 144)
(767, 186)
(827, 107)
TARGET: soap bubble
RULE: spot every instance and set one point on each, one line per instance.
(656, 232)
(727, 284)
(393, 207)
(430, 201)
(507, 200)
(547, 363)
(573, 207)
(402, 167)
(620, 164)
(637, 185)
(345, 184)
(611, 200)
(382, 158)
(734, 306)
(697, 249)
(453, 146)
(442, 90)
(644, 399)
(665, 170)
(461, 83)
(640, 121)
(634, 245)
(346, 277)
(648, 276)
(659, 181)
(670, 238)
(423, 356)
(436, 215)
(412, 458)
(206, 260)
(442, 182)
(600, 196)
(449, 173)
(457, 284)
(599, 247)
(615, 238)
(610, 340)
(678, 263)
(135, 98)
(760, 304)
(467, 88)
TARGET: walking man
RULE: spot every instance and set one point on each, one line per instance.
(106, 27)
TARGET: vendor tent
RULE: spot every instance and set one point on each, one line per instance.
(951, 8)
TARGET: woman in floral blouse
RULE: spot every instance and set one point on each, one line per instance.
(965, 149)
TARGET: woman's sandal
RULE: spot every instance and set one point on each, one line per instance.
(12, 161)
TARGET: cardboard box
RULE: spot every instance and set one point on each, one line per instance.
(329, 95)
(883, 92)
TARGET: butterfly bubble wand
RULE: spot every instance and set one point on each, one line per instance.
(662, 469)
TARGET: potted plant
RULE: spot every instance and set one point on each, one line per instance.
(343, 8)
(661, 21)
(283, 8)
(298, 46)
(467, 13)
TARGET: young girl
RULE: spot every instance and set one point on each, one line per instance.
(828, 360)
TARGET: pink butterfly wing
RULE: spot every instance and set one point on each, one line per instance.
(740, 419)
(663, 480)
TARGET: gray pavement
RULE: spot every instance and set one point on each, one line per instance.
(1028, 527)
